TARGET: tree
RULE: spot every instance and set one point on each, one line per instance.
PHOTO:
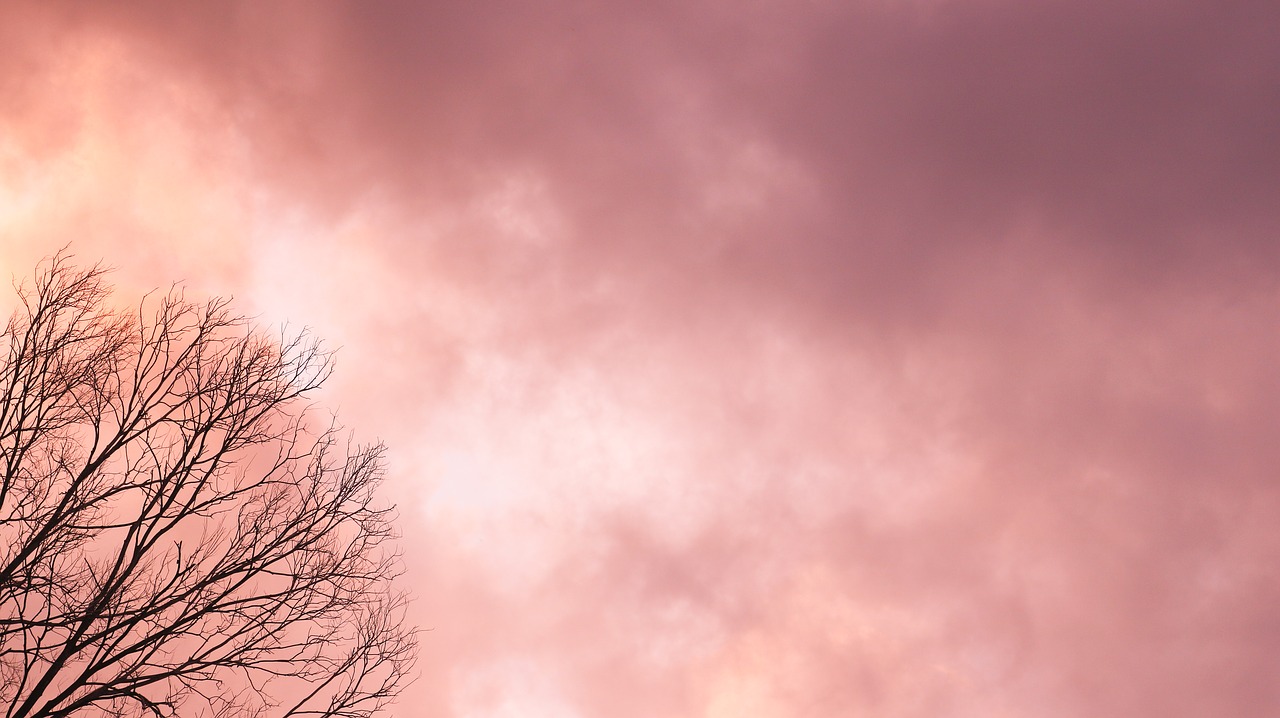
(179, 534)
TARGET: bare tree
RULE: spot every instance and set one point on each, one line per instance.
(179, 535)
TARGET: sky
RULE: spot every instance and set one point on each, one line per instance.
(892, 358)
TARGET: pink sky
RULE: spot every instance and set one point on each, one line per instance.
(738, 360)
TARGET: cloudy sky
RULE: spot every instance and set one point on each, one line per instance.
(894, 358)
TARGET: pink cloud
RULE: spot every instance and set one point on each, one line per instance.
(912, 359)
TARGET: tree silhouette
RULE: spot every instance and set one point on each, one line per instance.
(179, 535)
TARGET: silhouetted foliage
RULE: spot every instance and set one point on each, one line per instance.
(178, 537)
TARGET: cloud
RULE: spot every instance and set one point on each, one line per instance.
(764, 359)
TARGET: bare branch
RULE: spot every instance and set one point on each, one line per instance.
(178, 534)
